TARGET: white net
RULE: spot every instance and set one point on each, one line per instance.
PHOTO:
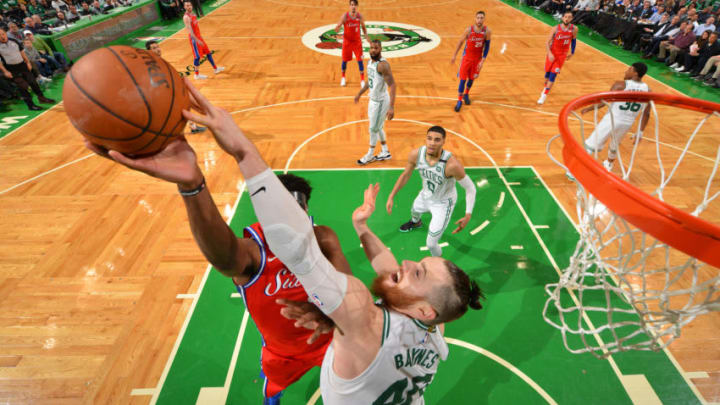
(624, 289)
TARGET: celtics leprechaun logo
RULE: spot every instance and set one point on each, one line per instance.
(397, 39)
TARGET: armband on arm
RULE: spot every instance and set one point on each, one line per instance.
(486, 50)
(572, 46)
(470, 191)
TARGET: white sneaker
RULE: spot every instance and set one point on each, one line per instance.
(342, 82)
(383, 156)
(542, 98)
(365, 160)
(200, 77)
(219, 69)
(44, 79)
(674, 65)
(608, 165)
(362, 83)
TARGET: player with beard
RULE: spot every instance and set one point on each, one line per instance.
(368, 363)
(381, 104)
(562, 38)
(477, 45)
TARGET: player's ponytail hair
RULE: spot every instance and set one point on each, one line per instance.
(451, 301)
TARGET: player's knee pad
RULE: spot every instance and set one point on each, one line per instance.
(461, 87)
(360, 65)
(552, 76)
(433, 245)
(343, 65)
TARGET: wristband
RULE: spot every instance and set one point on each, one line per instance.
(195, 191)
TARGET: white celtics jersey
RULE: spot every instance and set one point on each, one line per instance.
(625, 112)
(435, 184)
(403, 368)
(376, 82)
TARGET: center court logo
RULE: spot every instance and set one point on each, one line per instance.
(398, 39)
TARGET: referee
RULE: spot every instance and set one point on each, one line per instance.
(16, 67)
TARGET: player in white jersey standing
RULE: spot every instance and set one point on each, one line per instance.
(381, 104)
(377, 357)
(438, 170)
(618, 121)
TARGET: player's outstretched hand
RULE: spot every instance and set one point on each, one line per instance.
(452, 61)
(308, 316)
(176, 163)
(551, 57)
(389, 206)
(227, 134)
(363, 212)
(569, 56)
(461, 223)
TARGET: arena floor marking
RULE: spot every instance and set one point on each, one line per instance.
(43, 174)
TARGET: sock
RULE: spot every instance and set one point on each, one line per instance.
(460, 96)
(547, 90)
(362, 76)
(370, 151)
(210, 59)
(343, 74)
(384, 148)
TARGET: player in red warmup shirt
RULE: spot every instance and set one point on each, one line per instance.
(197, 43)
(477, 45)
(562, 39)
(352, 22)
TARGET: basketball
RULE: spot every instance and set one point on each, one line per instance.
(126, 99)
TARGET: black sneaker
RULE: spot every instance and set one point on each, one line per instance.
(33, 107)
(466, 99)
(410, 225)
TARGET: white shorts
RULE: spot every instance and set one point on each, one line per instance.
(441, 211)
(377, 111)
(605, 128)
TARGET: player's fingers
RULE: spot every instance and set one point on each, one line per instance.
(199, 98)
(196, 118)
(458, 229)
(97, 149)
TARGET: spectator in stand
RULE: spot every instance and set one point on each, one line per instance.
(704, 14)
(14, 32)
(663, 33)
(696, 59)
(59, 5)
(706, 75)
(642, 36)
(645, 12)
(16, 67)
(97, 8)
(63, 21)
(584, 10)
(86, 10)
(657, 15)
(41, 66)
(57, 57)
(40, 27)
(709, 25)
(72, 13)
(679, 44)
(682, 13)
(35, 8)
(22, 12)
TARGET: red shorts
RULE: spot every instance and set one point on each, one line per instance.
(468, 69)
(350, 48)
(281, 371)
(199, 50)
(556, 65)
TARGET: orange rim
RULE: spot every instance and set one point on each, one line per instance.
(679, 229)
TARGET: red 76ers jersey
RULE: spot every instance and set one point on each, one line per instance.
(272, 281)
(562, 39)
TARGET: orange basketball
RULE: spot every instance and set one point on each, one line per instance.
(126, 99)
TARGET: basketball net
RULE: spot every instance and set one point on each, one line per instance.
(642, 269)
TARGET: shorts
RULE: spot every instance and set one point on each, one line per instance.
(605, 128)
(469, 69)
(556, 65)
(377, 112)
(350, 48)
(280, 371)
(199, 51)
(441, 211)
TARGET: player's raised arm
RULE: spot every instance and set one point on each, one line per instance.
(403, 179)
(288, 230)
(386, 72)
(456, 170)
(378, 254)
(460, 43)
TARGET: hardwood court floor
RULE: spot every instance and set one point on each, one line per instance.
(93, 256)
